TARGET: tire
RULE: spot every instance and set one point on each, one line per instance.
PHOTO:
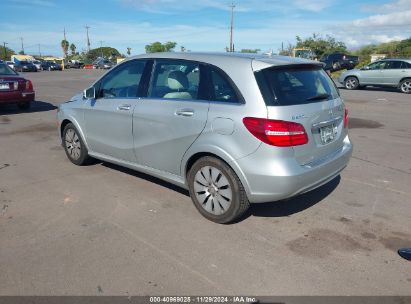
(336, 66)
(216, 191)
(74, 146)
(24, 106)
(405, 86)
(351, 83)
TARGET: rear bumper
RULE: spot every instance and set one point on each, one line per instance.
(267, 179)
(16, 97)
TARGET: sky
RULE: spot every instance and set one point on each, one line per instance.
(201, 25)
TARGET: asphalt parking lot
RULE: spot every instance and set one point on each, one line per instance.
(104, 230)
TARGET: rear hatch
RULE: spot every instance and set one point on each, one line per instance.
(306, 95)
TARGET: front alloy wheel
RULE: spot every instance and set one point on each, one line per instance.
(75, 149)
(351, 83)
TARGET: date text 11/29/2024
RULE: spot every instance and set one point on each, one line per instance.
(203, 299)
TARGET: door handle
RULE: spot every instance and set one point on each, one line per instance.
(185, 112)
(124, 107)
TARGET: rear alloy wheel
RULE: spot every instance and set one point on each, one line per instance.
(24, 106)
(405, 86)
(351, 83)
(216, 190)
(74, 146)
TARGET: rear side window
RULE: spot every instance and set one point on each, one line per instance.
(288, 86)
(405, 65)
(222, 90)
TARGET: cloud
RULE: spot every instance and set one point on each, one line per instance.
(389, 22)
(31, 3)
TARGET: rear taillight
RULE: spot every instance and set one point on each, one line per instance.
(346, 118)
(29, 85)
(276, 132)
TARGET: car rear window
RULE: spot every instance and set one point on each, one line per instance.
(295, 85)
(5, 70)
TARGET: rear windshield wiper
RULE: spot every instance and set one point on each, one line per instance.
(319, 97)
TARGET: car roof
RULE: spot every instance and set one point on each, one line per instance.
(396, 59)
(258, 61)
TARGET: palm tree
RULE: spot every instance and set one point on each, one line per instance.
(73, 49)
(128, 51)
(65, 46)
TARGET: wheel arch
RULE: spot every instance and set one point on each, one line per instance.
(68, 120)
(404, 78)
(190, 158)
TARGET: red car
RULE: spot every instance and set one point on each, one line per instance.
(15, 89)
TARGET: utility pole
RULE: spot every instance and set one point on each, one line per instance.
(22, 45)
(39, 51)
(88, 39)
(65, 33)
(232, 6)
(5, 50)
(101, 48)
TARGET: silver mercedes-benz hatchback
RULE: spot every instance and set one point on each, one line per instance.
(232, 129)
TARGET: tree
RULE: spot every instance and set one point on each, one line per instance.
(65, 46)
(73, 49)
(251, 51)
(108, 52)
(321, 46)
(157, 47)
(128, 51)
(6, 53)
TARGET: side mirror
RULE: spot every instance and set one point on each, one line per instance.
(89, 93)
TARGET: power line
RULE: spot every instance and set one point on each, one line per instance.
(232, 6)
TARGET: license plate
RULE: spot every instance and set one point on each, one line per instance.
(4, 86)
(328, 134)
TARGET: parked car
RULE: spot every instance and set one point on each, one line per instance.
(103, 64)
(338, 61)
(15, 89)
(10, 64)
(50, 66)
(231, 129)
(74, 65)
(384, 73)
(37, 64)
(24, 66)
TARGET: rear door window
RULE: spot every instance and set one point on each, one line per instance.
(392, 65)
(176, 79)
(287, 86)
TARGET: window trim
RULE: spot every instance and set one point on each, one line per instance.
(98, 84)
